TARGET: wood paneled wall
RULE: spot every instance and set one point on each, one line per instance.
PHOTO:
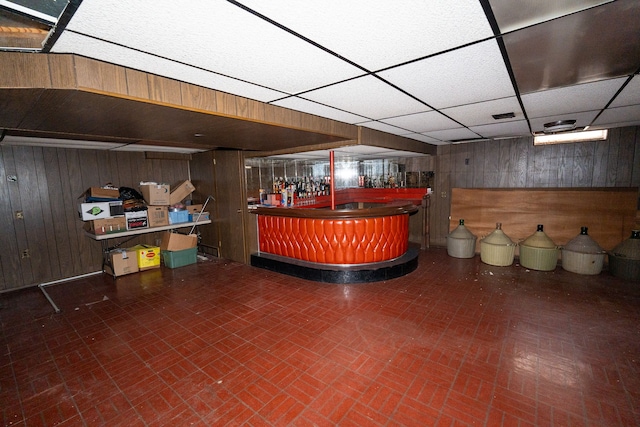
(48, 183)
(517, 163)
(202, 168)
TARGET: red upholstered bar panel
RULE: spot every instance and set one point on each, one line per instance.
(335, 241)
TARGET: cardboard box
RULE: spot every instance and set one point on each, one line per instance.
(180, 191)
(203, 217)
(194, 208)
(98, 194)
(136, 220)
(178, 217)
(157, 216)
(98, 210)
(178, 242)
(106, 225)
(121, 262)
(156, 194)
(175, 259)
(148, 256)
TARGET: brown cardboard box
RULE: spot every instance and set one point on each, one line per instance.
(177, 241)
(155, 194)
(106, 225)
(100, 193)
(194, 208)
(122, 262)
(180, 191)
(158, 216)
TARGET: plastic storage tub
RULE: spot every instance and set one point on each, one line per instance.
(175, 259)
(176, 217)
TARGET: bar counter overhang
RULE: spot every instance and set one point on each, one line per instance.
(337, 246)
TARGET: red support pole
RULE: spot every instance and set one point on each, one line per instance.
(331, 185)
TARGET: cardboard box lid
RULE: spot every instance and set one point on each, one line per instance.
(177, 241)
(180, 191)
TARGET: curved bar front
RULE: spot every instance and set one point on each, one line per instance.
(338, 237)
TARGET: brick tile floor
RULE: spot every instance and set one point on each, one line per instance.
(455, 342)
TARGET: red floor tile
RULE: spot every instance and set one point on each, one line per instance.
(454, 343)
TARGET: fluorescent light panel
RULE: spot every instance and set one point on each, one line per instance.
(57, 143)
(157, 148)
(562, 138)
(90, 145)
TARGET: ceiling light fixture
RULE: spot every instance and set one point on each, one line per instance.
(562, 138)
(559, 126)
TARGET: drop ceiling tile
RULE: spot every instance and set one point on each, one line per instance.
(471, 74)
(452, 134)
(422, 122)
(366, 96)
(92, 48)
(502, 130)
(213, 35)
(300, 104)
(595, 44)
(620, 116)
(584, 97)
(512, 15)
(394, 33)
(582, 119)
(480, 113)
(630, 95)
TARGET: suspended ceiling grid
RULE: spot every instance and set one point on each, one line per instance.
(431, 71)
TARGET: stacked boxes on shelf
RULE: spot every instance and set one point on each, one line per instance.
(111, 210)
(177, 211)
(156, 196)
(105, 211)
(164, 202)
(102, 211)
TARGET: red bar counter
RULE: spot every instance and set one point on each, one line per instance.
(343, 236)
(317, 243)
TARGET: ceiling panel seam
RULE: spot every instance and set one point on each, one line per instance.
(486, 7)
(61, 25)
(615, 95)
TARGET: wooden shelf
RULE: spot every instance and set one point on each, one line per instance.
(146, 230)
